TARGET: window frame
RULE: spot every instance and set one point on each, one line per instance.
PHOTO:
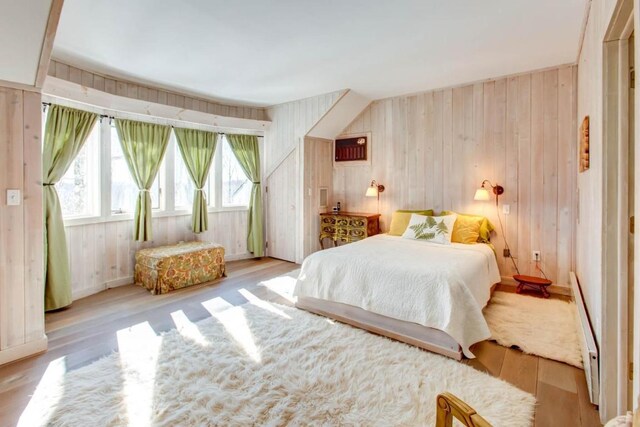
(94, 160)
(166, 177)
(223, 140)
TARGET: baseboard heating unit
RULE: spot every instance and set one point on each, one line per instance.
(588, 343)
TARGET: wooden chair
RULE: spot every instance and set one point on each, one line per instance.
(450, 406)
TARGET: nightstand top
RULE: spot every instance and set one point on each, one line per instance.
(361, 214)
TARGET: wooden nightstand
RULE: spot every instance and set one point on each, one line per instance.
(348, 227)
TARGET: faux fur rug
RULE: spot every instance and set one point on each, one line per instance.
(544, 327)
(266, 364)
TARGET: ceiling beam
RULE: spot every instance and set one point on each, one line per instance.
(47, 43)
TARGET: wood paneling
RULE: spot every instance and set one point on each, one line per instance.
(101, 255)
(290, 122)
(21, 227)
(120, 87)
(284, 158)
(318, 173)
(432, 150)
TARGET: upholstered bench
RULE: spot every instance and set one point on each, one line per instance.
(166, 268)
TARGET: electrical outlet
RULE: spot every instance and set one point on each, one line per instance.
(535, 256)
(506, 253)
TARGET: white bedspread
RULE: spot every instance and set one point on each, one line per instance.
(440, 286)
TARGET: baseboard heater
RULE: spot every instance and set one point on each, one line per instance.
(587, 341)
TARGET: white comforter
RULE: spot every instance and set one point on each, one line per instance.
(439, 286)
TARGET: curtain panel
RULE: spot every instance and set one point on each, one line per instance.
(197, 148)
(66, 131)
(143, 146)
(246, 150)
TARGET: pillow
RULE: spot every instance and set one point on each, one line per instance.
(434, 229)
(400, 220)
(484, 231)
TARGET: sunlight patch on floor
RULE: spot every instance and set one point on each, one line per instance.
(216, 305)
(236, 325)
(283, 285)
(138, 347)
(48, 393)
(262, 303)
(188, 329)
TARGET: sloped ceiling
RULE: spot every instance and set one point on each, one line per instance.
(268, 52)
(22, 28)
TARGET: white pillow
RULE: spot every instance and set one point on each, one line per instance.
(434, 229)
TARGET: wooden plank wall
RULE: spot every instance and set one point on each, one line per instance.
(21, 227)
(120, 87)
(589, 256)
(101, 255)
(284, 158)
(432, 150)
(318, 172)
(290, 122)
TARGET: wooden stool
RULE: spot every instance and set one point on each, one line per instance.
(536, 283)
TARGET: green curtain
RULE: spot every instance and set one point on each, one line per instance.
(143, 145)
(197, 148)
(65, 133)
(245, 148)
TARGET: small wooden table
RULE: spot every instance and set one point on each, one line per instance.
(536, 283)
(348, 227)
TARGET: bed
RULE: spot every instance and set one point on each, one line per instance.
(425, 294)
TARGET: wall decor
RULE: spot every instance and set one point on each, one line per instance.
(584, 145)
(352, 150)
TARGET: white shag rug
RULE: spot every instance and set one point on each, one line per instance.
(544, 327)
(266, 364)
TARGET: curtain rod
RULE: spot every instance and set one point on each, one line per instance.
(102, 116)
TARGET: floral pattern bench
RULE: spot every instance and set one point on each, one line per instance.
(167, 268)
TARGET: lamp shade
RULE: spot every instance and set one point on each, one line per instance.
(372, 191)
(481, 194)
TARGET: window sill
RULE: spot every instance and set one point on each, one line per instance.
(72, 222)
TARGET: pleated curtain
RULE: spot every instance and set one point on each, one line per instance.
(246, 150)
(197, 148)
(66, 131)
(143, 146)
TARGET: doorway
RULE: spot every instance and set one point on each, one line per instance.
(616, 347)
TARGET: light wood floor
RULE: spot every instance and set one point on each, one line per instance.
(87, 331)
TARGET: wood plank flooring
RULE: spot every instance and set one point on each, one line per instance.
(87, 331)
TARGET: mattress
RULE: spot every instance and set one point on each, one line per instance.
(438, 286)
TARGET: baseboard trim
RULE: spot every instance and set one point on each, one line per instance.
(553, 289)
(128, 280)
(21, 351)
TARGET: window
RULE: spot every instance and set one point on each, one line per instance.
(79, 188)
(183, 184)
(236, 187)
(124, 191)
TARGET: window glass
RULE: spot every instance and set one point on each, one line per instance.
(124, 191)
(236, 187)
(79, 188)
(183, 184)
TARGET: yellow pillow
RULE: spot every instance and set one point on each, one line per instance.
(470, 228)
(400, 220)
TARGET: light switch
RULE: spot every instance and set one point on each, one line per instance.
(13, 197)
(506, 209)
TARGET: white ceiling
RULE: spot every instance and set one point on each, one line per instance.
(267, 52)
(22, 28)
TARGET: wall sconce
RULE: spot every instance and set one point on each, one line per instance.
(374, 190)
(482, 194)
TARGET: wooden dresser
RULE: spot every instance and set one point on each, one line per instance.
(348, 227)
